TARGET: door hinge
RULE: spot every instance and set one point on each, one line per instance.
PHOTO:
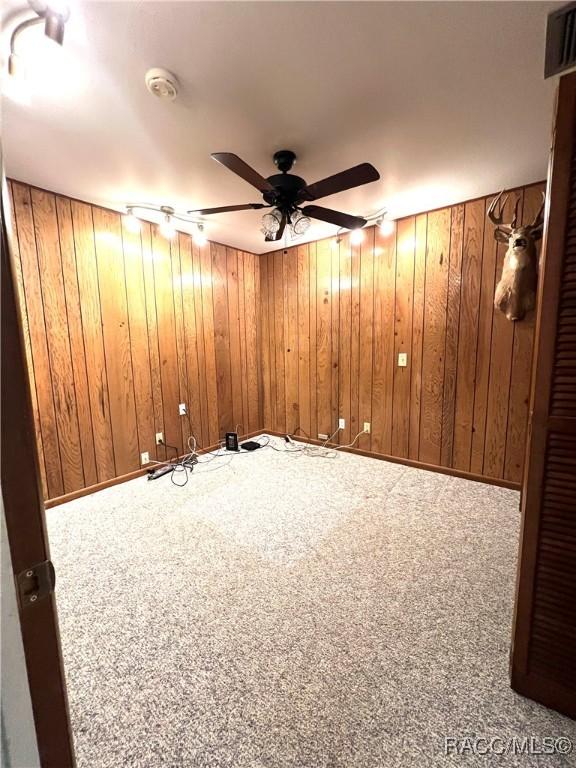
(35, 582)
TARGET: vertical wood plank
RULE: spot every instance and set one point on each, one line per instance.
(323, 337)
(23, 308)
(303, 296)
(181, 356)
(335, 336)
(345, 336)
(275, 380)
(355, 297)
(191, 340)
(203, 435)
(279, 344)
(405, 248)
(502, 340)
(421, 233)
(256, 396)
(383, 373)
(265, 334)
(233, 328)
(253, 340)
(213, 405)
(483, 352)
(243, 277)
(164, 294)
(452, 334)
(114, 308)
(139, 342)
(56, 324)
(292, 352)
(156, 451)
(74, 325)
(313, 341)
(468, 335)
(521, 366)
(366, 340)
(89, 292)
(222, 340)
(436, 288)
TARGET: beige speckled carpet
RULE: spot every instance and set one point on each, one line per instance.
(288, 611)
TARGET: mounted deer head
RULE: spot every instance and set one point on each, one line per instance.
(516, 291)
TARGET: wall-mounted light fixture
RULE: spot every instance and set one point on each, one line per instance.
(166, 224)
(54, 15)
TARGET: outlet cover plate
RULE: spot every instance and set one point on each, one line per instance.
(159, 438)
(144, 458)
(367, 427)
(182, 409)
(341, 423)
(402, 359)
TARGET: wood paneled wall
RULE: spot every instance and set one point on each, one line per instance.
(336, 316)
(120, 328)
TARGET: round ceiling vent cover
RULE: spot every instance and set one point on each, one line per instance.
(162, 83)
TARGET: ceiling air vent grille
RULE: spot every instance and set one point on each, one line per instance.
(561, 40)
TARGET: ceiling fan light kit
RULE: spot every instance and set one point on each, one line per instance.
(166, 224)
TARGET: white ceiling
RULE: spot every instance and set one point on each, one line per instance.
(447, 100)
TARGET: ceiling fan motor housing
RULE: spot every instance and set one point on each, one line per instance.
(287, 189)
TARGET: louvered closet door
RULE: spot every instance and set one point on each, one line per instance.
(544, 642)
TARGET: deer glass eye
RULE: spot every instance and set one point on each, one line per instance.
(520, 242)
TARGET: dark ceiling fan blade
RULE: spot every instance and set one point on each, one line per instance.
(228, 208)
(353, 177)
(242, 169)
(344, 220)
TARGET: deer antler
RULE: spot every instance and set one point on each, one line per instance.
(539, 218)
(497, 218)
(515, 217)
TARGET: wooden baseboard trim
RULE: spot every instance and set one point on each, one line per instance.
(49, 503)
(411, 463)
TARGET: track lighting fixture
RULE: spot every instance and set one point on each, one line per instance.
(166, 225)
(53, 15)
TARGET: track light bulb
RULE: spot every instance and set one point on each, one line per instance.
(132, 222)
(199, 237)
(386, 226)
(356, 236)
(166, 227)
(54, 27)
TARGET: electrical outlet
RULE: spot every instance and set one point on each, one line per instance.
(341, 423)
(367, 427)
(159, 438)
(402, 359)
(144, 458)
(182, 409)
(322, 437)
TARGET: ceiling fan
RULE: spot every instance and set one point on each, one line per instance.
(286, 194)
